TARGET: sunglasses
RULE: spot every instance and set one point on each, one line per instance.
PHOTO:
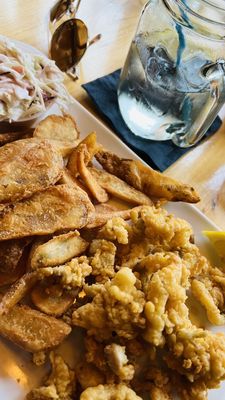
(69, 40)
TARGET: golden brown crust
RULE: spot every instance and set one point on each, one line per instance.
(145, 179)
(56, 208)
(119, 188)
(26, 167)
(32, 330)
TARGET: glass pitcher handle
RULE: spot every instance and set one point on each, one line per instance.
(215, 73)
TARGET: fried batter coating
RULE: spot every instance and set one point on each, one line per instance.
(60, 385)
(165, 286)
(103, 259)
(209, 289)
(164, 228)
(146, 179)
(109, 392)
(26, 167)
(118, 361)
(115, 229)
(71, 275)
(198, 354)
(88, 375)
(118, 308)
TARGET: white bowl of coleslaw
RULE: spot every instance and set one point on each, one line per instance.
(29, 84)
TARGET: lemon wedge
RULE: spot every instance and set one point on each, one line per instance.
(217, 238)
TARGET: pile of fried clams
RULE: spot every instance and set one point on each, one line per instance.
(121, 272)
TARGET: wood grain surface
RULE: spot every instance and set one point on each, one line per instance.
(27, 20)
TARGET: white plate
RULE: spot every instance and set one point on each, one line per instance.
(17, 372)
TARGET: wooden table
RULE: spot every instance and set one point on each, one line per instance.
(203, 167)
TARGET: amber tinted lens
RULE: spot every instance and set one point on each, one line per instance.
(59, 9)
(69, 43)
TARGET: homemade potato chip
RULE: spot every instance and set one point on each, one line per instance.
(59, 128)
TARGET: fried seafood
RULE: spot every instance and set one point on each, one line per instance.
(109, 392)
(145, 179)
(60, 385)
(88, 375)
(119, 188)
(118, 361)
(117, 308)
(197, 354)
(32, 330)
(26, 167)
(58, 250)
(209, 289)
(70, 275)
(56, 208)
(128, 282)
(102, 254)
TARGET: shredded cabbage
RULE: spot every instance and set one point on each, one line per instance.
(28, 83)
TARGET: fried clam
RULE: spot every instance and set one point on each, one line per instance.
(52, 299)
(60, 384)
(57, 208)
(109, 392)
(89, 180)
(58, 250)
(143, 178)
(119, 188)
(32, 330)
(92, 148)
(61, 131)
(26, 167)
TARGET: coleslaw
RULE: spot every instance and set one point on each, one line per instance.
(28, 83)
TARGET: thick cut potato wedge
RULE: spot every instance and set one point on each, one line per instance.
(145, 179)
(32, 330)
(57, 208)
(47, 300)
(119, 188)
(95, 189)
(26, 167)
(17, 291)
(58, 250)
(10, 254)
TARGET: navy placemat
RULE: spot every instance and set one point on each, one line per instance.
(159, 155)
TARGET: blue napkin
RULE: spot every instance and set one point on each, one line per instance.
(159, 155)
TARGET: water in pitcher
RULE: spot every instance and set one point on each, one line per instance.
(159, 96)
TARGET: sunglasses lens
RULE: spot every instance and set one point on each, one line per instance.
(59, 9)
(69, 43)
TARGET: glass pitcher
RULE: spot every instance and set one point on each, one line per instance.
(173, 82)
